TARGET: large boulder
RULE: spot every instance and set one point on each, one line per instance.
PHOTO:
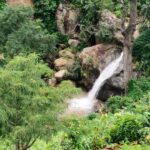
(99, 56)
(111, 19)
(110, 22)
(67, 19)
(96, 58)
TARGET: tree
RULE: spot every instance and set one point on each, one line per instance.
(28, 107)
(20, 33)
(128, 39)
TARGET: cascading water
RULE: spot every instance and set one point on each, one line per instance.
(86, 104)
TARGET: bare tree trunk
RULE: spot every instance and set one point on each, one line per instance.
(128, 39)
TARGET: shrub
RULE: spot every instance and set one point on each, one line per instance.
(126, 129)
(105, 33)
(141, 49)
(134, 147)
(2, 3)
(21, 34)
(45, 10)
(137, 88)
(75, 72)
(117, 103)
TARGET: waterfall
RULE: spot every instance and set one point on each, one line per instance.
(106, 74)
(87, 103)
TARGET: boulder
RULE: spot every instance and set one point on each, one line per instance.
(1, 56)
(110, 21)
(18, 2)
(99, 56)
(67, 19)
(66, 54)
(110, 18)
(60, 74)
(73, 42)
(63, 63)
(52, 82)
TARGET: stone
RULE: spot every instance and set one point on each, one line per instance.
(110, 18)
(67, 19)
(60, 74)
(66, 54)
(73, 42)
(16, 2)
(52, 82)
(1, 56)
(63, 63)
(119, 37)
(99, 56)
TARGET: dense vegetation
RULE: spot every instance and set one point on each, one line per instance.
(31, 109)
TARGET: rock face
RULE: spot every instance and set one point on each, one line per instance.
(67, 19)
(14, 2)
(100, 56)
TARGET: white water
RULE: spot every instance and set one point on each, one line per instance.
(86, 104)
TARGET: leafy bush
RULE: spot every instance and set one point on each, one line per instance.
(45, 10)
(141, 49)
(20, 33)
(126, 129)
(75, 72)
(117, 103)
(134, 147)
(2, 3)
(105, 33)
(137, 88)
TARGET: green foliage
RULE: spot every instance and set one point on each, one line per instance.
(141, 49)
(86, 133)
(144, 7)
(126, 129)
(105, 33)
(117, 103)
(21, 34)
(45, 10)
(137, 88)
(135, 147)
(30, 107)
(61, 38)
(2, 4)
(75, 72)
